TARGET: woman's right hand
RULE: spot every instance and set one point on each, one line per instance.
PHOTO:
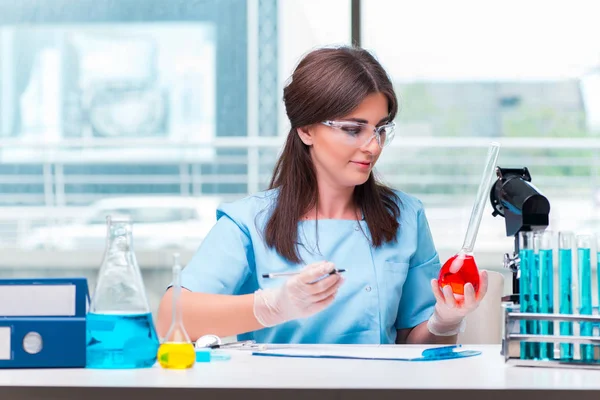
(299, 297)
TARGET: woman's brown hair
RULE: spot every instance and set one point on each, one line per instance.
(327, 84)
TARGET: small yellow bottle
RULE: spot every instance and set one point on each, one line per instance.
(176, 350)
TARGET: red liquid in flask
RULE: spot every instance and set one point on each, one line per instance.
(467, 273)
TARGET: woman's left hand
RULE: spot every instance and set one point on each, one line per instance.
(448, 316)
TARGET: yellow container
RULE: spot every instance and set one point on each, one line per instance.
(176, 355)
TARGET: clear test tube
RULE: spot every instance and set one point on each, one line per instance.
(546, 268)
(584, 245)
(566, 242)
(526, 257)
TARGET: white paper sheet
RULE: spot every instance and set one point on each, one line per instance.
(384, 351)
(37, 300)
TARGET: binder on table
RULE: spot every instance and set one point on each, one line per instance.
(43, 323)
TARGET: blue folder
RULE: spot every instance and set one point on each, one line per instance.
(43, 323)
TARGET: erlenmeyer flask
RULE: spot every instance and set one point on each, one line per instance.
(120, 329)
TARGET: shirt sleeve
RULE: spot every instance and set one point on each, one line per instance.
(222, 262)
(417, 301)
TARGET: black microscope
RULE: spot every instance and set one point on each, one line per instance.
(524, 208)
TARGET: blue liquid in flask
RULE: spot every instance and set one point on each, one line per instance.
(116, 341)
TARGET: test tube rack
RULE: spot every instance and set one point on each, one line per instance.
(512, 339)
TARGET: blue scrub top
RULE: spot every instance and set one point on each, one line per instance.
(385, 288)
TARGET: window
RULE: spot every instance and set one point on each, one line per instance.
(469, 72)
(141, 99)
(146, 215)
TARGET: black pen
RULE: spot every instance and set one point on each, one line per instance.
(284, 274)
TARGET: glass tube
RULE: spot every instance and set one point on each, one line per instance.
(597, 236)
(585, 292)
(546, 269)
(526, 257)
(482, 198)
(534, 279)
(566, 240)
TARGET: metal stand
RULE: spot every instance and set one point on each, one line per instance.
(512, 262)
(512, 339)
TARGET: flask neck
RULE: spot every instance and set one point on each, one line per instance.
(120, 287)
(119, 236)
(177, 332)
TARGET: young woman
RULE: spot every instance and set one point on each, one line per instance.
(325, 210)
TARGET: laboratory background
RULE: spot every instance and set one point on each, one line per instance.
(160, 110)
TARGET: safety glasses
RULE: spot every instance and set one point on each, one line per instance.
(359, 134)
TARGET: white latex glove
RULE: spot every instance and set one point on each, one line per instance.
(299, 297)
(449, 314)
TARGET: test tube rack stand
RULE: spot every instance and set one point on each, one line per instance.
(512, 339)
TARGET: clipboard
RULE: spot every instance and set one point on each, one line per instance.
(433, 354)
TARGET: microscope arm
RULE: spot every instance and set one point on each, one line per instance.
(523, 207)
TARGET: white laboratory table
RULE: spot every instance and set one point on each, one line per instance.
(246, 376)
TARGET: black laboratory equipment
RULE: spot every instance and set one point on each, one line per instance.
(523, 207)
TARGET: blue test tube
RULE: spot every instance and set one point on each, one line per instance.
(526, 257)
(596, 310)
(535, 303)
(546, 268)
(566, 240)
(585, 292)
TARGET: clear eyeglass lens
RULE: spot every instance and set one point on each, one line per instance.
(387, 134)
